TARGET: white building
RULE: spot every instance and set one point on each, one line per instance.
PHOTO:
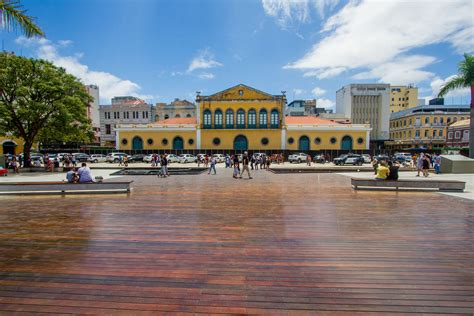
(93, 109)
(366, 104)
(123, 110)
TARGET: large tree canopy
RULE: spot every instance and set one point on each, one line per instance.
(41, 102)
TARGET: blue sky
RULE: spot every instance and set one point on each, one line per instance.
(161, 50)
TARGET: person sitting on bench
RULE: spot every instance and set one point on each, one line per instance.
(382, 171)
(85, 174)
(72, 176)
(393, 170)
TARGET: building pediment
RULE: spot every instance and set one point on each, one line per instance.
(240, 92)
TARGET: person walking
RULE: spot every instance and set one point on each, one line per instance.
(125, 160)
(419, 164)
(437, 163)
(164, 166)
(426, 165)
(252, 161)
(308, 160)
(213, 165)
(245, 165)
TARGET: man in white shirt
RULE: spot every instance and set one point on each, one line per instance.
(85, 174)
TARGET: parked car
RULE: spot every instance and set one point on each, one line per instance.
(148, 158)
(299, 157)
(172, 158)
(136, 158)
(115, 157)
(184, 158)
(319, 159)
(61, 156)
(81, 157)
(367, 158)
(201, 157)
(350, 159)
(403, 157)
(95, 158)
(219, 157)
(382, 157)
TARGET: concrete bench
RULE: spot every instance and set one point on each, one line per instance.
(56, 187)
(441, 185)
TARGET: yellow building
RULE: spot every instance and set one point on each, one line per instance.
(242, 118)
(403, 97)
(424, 126)
(10, 145)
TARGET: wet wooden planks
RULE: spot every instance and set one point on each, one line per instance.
(279, 244)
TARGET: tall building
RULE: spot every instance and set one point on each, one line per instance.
(366, 104)
(243, 118)
(403, 97)
(123, 110)
(424, 126)
(176, 109)
(93, 110)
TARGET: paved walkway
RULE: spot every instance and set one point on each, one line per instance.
(277, 244)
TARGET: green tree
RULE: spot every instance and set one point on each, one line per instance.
(12, 16)
(464, 79)
(41, 102)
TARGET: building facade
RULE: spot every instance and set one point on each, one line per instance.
(303, 108)
(176, 109)
(123, 110)
(424, 126)
(242, 118)
(93, 113)
(366, 104)
(403, 97)
(458, 134)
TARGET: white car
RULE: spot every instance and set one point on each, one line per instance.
(258, 155)
(406, 156)
(115, 157)
(172, 158)
(219, 157)
(97, 158)
(147, 158)
(367, 158)
(299, 157)
(184, 158)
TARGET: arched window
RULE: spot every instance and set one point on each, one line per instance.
(240, 119)
(252, 119)
(207, 119)
(218, 119)
(262, 122)
(229, 118)
(274, 119)
(188, 115)
(177, 116)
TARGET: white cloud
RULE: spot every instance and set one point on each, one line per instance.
(64, 43)
(400, 71)
(325, 103)
(203, 60)
(109, 84)
(298, 91)
(317, 91)
(206, 75)
(291, 13)
(370, 35)
(176, 73)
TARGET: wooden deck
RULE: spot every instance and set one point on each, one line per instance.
(277, 244)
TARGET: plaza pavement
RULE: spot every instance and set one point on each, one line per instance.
(280, 244)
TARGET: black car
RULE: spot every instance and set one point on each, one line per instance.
(136, 158)
(350, 159)
(81, 157)
(319, 159)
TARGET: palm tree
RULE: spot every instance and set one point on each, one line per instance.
(12, 16)
(464, 79)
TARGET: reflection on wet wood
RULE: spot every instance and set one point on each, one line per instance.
(277, 244)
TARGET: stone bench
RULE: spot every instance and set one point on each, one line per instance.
(57, 187)
(441, 185)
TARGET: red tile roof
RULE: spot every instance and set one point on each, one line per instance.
(178, 120)
(305, 120)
